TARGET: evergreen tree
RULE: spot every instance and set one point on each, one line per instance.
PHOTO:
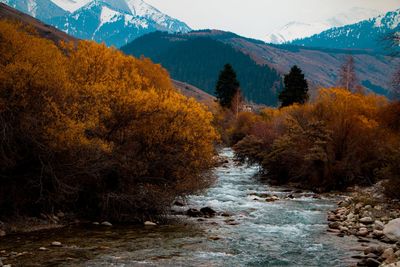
(227, 86)
(296, 88)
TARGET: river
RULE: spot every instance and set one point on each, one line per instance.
(287, 232)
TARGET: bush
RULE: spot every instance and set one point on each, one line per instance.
(337, 141)
(90, 130)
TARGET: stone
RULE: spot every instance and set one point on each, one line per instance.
(179, 203)
(214, 238)
(377, 233)
(366, 220)
(392, 230)
(2, 233)
(362, 231)
(368, 207)
(193, 213)
(359, 205)
(378, 225)
(388, 254)
(372, 255)
(207, 211)
(42, 248)
(56, 244)
(395, 264)
(370, 262)
(95, 223)
(272, 199)
(343, 229)
(149, 223)
(1, 263)
(334, 225)
(108, 224)
(60, 214)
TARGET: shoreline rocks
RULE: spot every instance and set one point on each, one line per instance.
(372, 220)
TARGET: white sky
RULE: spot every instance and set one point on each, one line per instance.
(256, 18)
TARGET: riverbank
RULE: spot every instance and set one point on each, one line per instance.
(375, 220)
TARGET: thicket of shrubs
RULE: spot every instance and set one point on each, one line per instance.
(84, 128)
(336, 141)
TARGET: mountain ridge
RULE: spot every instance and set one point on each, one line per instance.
(367, 34)
(115, 22)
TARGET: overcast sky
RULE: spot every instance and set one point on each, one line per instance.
(256, 18)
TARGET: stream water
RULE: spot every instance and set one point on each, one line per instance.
(287, 232)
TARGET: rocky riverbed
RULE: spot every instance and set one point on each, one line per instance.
(374, 220)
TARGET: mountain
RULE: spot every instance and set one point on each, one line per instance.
(115, 22)
(296, 30)
(40, 9)
(44, 30)
(367, 34)
(197, 58)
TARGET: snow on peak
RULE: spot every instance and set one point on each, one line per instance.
(108, 15)
(71, 5)
(298, 30)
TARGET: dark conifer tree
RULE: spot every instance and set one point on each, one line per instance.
(227, 86)
(296, 88)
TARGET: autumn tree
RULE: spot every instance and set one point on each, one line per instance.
(227, 86)
(86, 129)
(295, 88)
(237, 103)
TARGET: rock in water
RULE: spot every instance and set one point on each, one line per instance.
(106, 224)
(392, 230)
(56, 244)
(372, 262)
(149, 223)
(193, 213)
(207, 211)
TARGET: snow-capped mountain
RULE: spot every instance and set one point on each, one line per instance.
(115, 22)
(296, 30)
(40, 9)
(366, 34)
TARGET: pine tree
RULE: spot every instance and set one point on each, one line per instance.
(227, 86)
(296, 88)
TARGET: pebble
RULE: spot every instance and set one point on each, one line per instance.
(367, 220)
(149, 223)
(43, 248)
(2, 233)
(95, 223)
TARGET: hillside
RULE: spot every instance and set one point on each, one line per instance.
(367, 34)
(190, 61)
(194, 92)
(197, 58)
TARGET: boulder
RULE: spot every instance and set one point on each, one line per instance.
(396, 264)
(207, 211)
(392, 230)
(193, 213)
(149, 223)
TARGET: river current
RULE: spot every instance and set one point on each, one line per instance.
(286, 232)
